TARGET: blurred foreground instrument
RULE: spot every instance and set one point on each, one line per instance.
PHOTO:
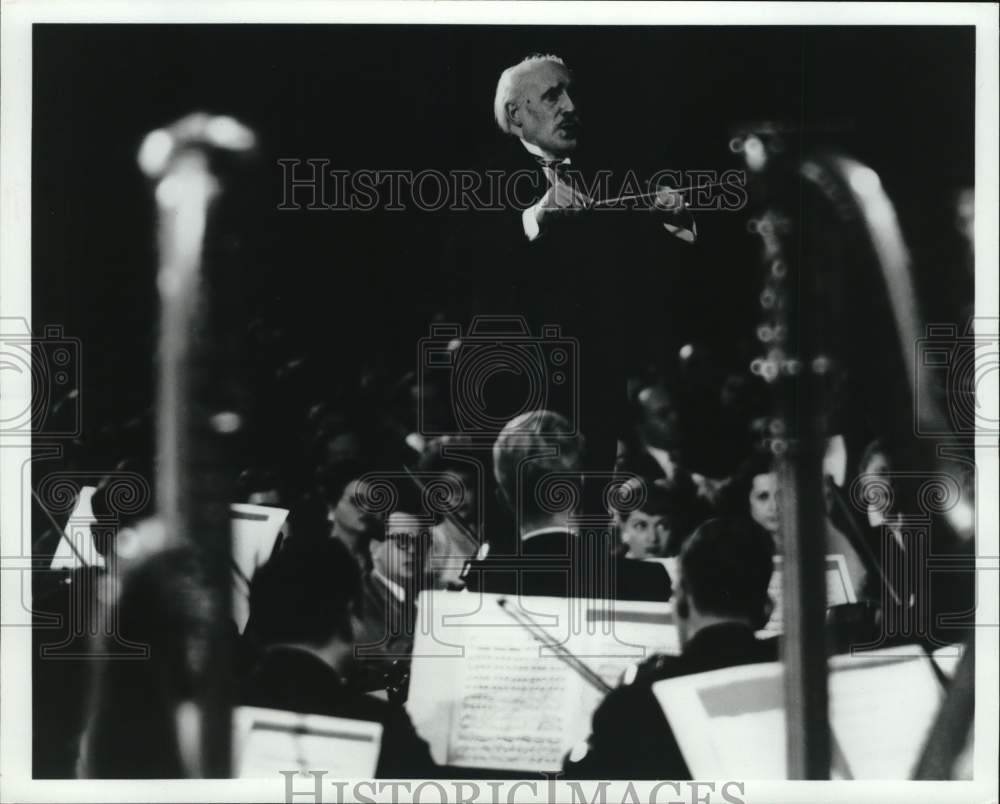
(827, 228)
(199, 413)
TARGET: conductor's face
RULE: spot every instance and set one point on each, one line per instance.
(545, 112)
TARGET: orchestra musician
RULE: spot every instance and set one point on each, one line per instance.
(385, 622)
(722, 599)
(303, 601)
(535, 458)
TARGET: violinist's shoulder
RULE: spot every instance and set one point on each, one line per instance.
(655, 668)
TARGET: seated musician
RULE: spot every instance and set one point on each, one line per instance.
(722, 599)
(537, 463)
(349, 523)
(456, 537)
(659, 523)
(301, 603)
(384, 624)
(755, 495)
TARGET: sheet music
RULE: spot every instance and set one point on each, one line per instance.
(497, 698)
(881, 709)
(948, 657)
(267, 741)
(730, 722)
(839, 590)
(639, 631)
(513, 705)
(78, 532)
(839, 587)
(254, 533)
(255, 529)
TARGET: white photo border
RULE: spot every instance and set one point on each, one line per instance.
(15, 301)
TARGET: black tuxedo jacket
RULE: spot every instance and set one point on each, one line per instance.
(295, 680)
(560, 563)
(580, 271)
(383, 633)
(630, 736)
(920, 603)
(604, 279)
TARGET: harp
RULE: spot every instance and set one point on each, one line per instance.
(829, 239)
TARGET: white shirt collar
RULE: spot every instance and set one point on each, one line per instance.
(663, 458)
(397, 591)
(534, 150)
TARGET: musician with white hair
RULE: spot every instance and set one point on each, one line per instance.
(558, 256)
(535, 102)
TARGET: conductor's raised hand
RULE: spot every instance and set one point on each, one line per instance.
(669, 200)
(561, 200)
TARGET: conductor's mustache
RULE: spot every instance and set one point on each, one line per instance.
(569, 123)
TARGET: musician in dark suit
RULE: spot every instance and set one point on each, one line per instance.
(659, 445)
(721, 601)
(904, 534)
(603, 276)
(537, 466)
(385, 622)
(301, 602)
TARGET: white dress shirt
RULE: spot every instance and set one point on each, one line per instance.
(394, 588)
(529, 218)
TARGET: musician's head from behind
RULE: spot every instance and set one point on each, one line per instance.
(304, 596)
(260, 486)
(399, 553)
(537, 460)
(724, 567)
(535, 100)
(657, 520)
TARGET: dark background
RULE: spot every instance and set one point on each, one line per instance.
(349, 289)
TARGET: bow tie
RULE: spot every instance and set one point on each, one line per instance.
(553, 164)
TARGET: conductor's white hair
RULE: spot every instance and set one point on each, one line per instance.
(507, 86)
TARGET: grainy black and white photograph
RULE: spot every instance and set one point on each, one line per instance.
(559, 402)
